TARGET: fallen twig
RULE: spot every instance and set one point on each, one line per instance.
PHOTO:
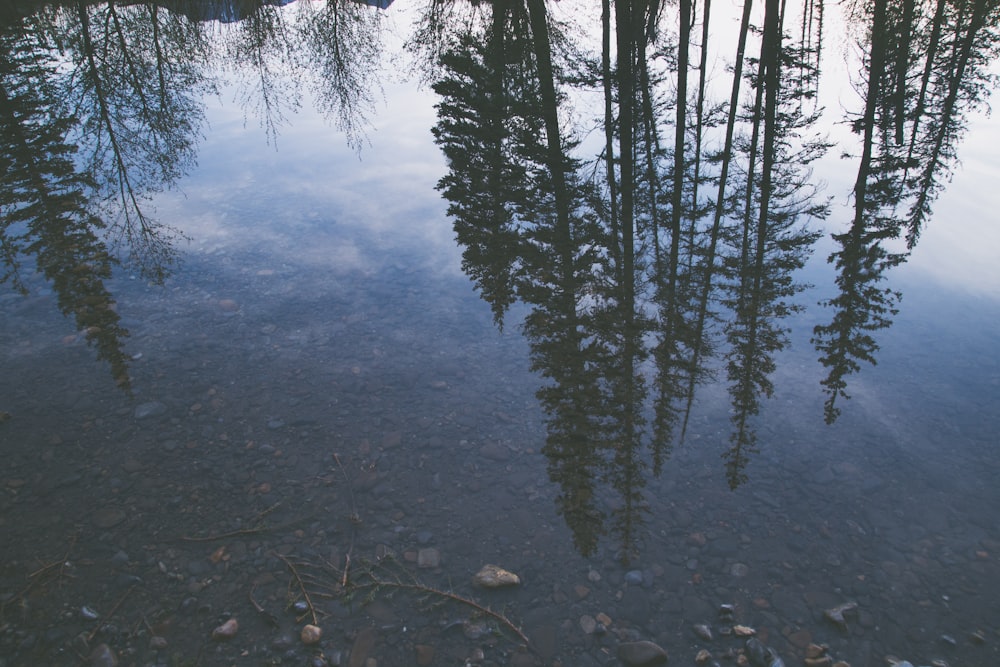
(302, 587)
(100, 623)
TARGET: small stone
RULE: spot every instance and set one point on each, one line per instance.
(821, 661)
(743, 631)
(428, 558)
(493, 576)
(157, 643)
(641, 653)
(593, 576)
(739, 570)
(473, 629)
(109, 517)
(226, 631)
(603, 619)
(702, 631)
(588, 624)
(704, 655)
(149, 409)
(102, 656)
(424, 654)
(815, 650)
(726, 611)
(836, 614)
(311, 634)
(581, 591)
(978, 637)
(633, 577)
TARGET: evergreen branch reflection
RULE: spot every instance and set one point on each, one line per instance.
(45, 209)
(927, 67)
(624, 267)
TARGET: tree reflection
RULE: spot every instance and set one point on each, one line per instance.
(926, 67)
(138, 110)
(103, 108)
(660, 255)
(46, 212)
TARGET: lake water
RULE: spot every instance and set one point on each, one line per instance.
(324, 424)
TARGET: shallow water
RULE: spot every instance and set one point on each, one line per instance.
(320, 397)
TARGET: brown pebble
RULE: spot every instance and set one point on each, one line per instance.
(226, 631)
(311, 634)
(425, 654)
(815, 650)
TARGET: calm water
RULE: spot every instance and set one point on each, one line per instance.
(318, 399)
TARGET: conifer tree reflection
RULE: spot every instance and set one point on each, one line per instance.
(923, 74)
(135, 88)
(44, 205)
(529, 231)
(770, 244)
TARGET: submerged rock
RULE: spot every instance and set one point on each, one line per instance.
(836, 614)
(102, 656)
(641, 653)
(702, 631)
(226, 631)
(311, 634)
(493, 576)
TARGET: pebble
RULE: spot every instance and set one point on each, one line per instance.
(149, 409)
(588, 624)
(739, 570)
(493, 576)
(641, 653)
(108, 517)
(424, 654)
(311, 634)
(702, 631)
(226, 631)
(836, 614)
(428, 558)
(102, 656)
(633, 577)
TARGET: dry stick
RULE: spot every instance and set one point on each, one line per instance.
(355, 520)
(506, 622)
(93, 633)
(61, 564)
(268, 616)
(302, 587)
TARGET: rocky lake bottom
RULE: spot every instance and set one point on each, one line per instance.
(292, 458)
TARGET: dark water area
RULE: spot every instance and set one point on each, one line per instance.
(273, 386)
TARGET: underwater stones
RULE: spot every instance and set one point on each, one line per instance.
(493, 576)
(641, 653)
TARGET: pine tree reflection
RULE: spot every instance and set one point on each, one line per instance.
(901, 169)
(44, 208)
(623, 269)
